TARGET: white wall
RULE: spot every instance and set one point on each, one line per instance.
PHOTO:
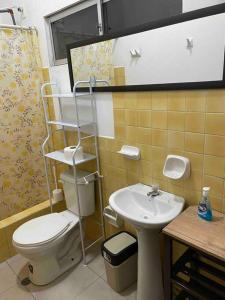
(5, 18)
(34, 11)
(165, 57)
(189, 5)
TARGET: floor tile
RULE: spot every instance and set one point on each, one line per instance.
(80, 283)
(19, 265)
(97, 264)
(16, 293)
(7, 277)
(99, 291)
(103, 276)
(95, 260)
(67, 286)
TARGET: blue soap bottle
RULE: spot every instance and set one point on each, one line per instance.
(204, 207)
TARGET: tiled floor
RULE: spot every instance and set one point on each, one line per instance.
(80, 283)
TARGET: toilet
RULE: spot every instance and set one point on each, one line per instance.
(52, 243)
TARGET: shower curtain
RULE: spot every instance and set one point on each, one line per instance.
(22, 128)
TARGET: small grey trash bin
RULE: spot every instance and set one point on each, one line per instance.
(120, 257)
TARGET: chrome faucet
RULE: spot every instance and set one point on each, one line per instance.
(154, 192)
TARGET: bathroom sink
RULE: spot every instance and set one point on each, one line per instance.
(148, 211)
(133, 204)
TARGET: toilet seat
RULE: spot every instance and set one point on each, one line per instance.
(42, 230)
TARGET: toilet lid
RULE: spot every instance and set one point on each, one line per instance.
(41, 229)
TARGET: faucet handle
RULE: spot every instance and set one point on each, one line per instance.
(155, 191)
(155, 188)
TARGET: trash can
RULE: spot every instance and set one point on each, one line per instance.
(120, 258)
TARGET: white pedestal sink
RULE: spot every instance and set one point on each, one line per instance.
(149, 215)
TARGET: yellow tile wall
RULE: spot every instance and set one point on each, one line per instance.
(188, 123)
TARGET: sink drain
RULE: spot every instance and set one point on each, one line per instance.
(145, 217)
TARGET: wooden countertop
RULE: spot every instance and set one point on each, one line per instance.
(208, 237)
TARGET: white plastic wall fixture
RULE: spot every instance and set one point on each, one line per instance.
(135, 52)
(176, 167)
(112, 217)
(130, 152)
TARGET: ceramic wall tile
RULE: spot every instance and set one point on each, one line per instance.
(215, 145)
(159, 100)
(196, 101)
(194, 142)
(215, 124)
(215, 101)
(159, 119)
(176, 121)
(195, 122)
(188, 123)
(176, 101)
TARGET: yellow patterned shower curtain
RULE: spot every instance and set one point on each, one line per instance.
(22, 128)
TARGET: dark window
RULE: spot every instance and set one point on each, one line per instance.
(123, 14)
(75, 27)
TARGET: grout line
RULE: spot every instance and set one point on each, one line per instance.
(203, 170)
(95, 271)
(9, 288)
(87, 287)
(11, 268)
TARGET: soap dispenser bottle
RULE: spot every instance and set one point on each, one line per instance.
(204, 207)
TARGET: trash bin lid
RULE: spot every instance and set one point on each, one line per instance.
(119, 242)
(119, 247)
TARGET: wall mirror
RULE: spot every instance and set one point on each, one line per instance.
(182, 52)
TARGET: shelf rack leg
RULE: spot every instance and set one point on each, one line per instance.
(48, 183)
(63, 127)
(94, 110)
(100, 190)
(75, 177)
(79, 211)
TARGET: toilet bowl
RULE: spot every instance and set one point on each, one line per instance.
(51, 243)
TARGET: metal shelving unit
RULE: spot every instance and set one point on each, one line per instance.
(79, 127)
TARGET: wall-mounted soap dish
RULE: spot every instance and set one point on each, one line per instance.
(176, 167)
(130, 152)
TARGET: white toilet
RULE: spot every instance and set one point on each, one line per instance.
(52, 242)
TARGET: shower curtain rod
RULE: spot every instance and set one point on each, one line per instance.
(17, 27)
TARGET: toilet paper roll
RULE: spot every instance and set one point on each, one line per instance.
(69, 152)
(57, 195)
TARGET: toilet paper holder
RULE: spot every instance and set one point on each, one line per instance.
(93, 176)
(112, 217)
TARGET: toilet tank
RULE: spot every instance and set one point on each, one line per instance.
(86, 192)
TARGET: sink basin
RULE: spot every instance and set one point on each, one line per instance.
(133, 204)
(149, 214)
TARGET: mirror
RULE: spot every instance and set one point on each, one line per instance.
(183, 52)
